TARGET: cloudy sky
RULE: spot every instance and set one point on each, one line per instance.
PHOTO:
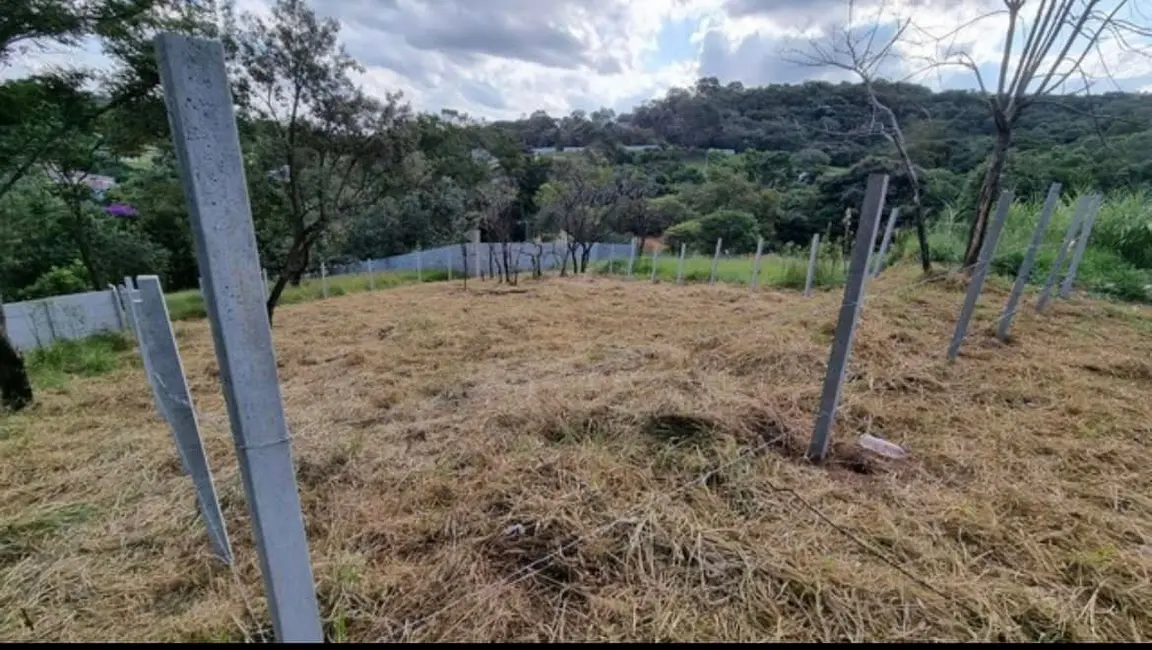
(505, 58)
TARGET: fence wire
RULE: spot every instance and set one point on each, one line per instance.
(646, 508)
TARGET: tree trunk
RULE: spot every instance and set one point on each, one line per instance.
(585, 255)
(15, 389)
(298, 275)
(294, 266)
(989, 194)
(83, 246)
(572, 252)
(464, 257)
(922, 238)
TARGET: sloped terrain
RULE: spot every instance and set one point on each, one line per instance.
(592, 459)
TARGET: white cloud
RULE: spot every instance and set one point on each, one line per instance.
(506, 58)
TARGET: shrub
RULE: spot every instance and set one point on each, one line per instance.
(737, 230)
(58, 281)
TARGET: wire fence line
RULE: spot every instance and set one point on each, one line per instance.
(832, 402)
(647, 507)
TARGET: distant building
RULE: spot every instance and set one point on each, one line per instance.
(280, 174)
(483, 156)
(97, 183)
(551, 151)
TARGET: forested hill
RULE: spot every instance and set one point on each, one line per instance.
(947, 129)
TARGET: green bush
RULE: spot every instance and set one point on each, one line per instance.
(685, 233)
(58, 281)
(95, 355)
(738, 231)
(1116, 263)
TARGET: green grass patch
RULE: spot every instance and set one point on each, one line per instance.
(1116, 264)
(776, 270)
(51, 367)
(189, 304)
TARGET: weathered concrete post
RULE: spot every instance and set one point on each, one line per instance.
(371, 276)
(476, 252)
(114, 293)
(811, 265)
(175, 401)
(980, 273)
(715, 261)
(1081, 245)
(1025, 269)
(655, 259)
(680, 265)
(878, 265)
(1082, 206)
(211, 166)
(756, 264)
(849, 314)
(631, 255)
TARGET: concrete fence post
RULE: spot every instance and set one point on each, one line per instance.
(371, 276)
(1025, 269)
(1081, 246)
(476, 256)
(130, 294)
(169, 382)
(324, 279)
(811, 265)
(849, 314)
(715, 261)
(125, 292)
(756, 264)
(631, 256)
(1082, 206)
(419, 265)
(655, 259)
(211, 165)
(878, 265)
(267, 286)
(980, 273)
(680, 265)
(114, 293)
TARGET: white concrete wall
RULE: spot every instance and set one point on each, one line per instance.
(39, 323)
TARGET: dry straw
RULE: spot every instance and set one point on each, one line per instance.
(602, 434)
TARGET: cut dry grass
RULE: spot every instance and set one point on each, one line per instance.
(446, 440)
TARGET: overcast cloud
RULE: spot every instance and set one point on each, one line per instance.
(506, 58)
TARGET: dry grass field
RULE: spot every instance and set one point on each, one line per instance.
(446, 440)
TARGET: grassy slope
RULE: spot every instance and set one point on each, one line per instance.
(1117, 262)
(446, 439)
(775, 271)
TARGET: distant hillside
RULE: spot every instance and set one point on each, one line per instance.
(947, 129)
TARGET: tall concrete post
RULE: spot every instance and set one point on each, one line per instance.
(211, 165)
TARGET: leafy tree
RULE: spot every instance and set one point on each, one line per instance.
(686, 233)
(334, 148)
(738, 231)
(29, 133)
(576, 201)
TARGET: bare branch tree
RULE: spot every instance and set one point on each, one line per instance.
(1040, 56)
(856, 49)
(494, 202)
